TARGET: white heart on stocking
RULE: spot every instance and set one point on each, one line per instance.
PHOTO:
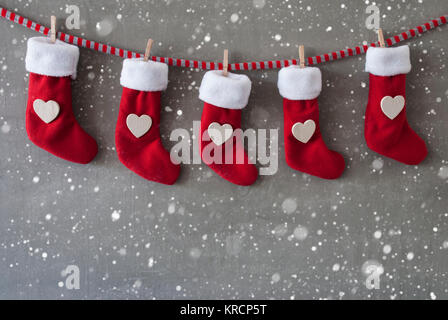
(138, 125)
(46, 111)
(219, 133)
(303, 131)
(392, 106)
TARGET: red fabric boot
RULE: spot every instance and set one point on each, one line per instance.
(50, 122)
(220, 135)
(137, 134)
(305, 149)
(386, 128)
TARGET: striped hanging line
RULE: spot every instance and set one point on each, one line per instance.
(209, 65)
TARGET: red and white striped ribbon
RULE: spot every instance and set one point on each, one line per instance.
(208, 65)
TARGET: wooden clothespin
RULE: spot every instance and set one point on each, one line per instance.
(381, 37)
(225, 63)
(53, 29)
(148, 49)
(302, 56)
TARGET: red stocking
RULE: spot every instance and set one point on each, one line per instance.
(50, 122)
(386, 128)
(220, 148)
(137, 134)
(304, 147)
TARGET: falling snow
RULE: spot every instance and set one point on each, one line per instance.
(291, 235)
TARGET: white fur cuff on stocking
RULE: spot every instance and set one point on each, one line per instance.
(57, 59)
(230, 92)
(295, 83)
(141, 75)
(388, 61)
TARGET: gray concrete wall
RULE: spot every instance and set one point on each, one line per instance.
(288, 236)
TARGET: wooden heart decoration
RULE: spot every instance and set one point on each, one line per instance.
(138, 125)
(219, 133)
(303, 131)
(46, 111)
(392, 106)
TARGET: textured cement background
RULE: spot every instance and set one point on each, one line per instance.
(290, 236)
